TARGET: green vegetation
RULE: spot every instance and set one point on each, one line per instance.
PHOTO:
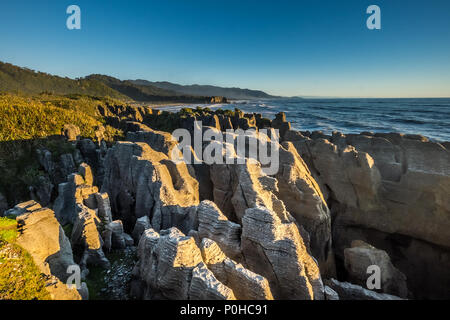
(19, 80)
(198, 111)
(23, 118)
(229, 113)
(20, 278)
(79, 103)
(23, 80)
(8, 229)
(28, 123)
(68, 230)
(95, 282)
(166, 121)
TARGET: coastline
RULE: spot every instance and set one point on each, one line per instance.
(350, 116)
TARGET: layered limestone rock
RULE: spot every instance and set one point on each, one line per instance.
(330, 294)
(42, 190)
(71, 193)
(171, 267)
(351, 175)
(150, 185)
(222, 181)
(238, 187)
(246, 285)
(89, 211)
(273, 247)
(114, 236)
(214, 225)
(281, 124)
(304, 200)
(22, 208)
(104, 207)
(262, 237)
(348, 291)
(361, 255)
(204, 286)
(57, 169)
(158, 140)
(93, 154)
(43, 238)
(238, 169)
(390, 190)
(415, 179)
(86, 235)
(86, 172)
(142, 224)
(272, 242)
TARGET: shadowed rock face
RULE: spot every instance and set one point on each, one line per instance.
(361, 256)
(214, 225)
(388, 186)
(86, 235)
(3, 204)
(348, 291)
(71, 193)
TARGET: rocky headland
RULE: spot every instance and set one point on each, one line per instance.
(337, 205)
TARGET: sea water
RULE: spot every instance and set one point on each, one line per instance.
(429, 117)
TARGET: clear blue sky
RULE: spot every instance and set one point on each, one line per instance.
(314, 48)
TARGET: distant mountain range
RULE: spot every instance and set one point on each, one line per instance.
(147, 93)
(195, 89)
(18, 79)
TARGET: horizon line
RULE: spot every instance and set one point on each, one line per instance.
(234, 87)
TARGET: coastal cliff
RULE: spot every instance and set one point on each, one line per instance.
(336, 205)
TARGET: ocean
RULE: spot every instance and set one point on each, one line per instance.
(429, 117)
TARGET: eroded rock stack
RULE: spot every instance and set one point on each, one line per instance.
(335, 207)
